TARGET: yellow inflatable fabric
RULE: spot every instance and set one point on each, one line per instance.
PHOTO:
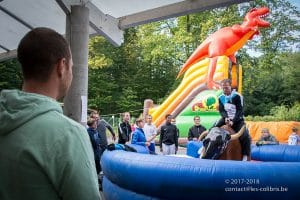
(194, 76)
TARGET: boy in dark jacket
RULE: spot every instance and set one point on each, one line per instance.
(196, 130)
(124, 129)
(168, 140)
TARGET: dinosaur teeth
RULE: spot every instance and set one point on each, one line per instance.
(265, 15)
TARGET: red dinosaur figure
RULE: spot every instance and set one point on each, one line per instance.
(227, 41)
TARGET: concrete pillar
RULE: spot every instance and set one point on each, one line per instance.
(77, 33)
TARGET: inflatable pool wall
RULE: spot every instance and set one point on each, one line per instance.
(142, 176)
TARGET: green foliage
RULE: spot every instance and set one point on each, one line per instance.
(280, 113)
(10, 76)
(266, 118)
(100, 86)
(287, 114)
(99, 53)
(291, 83)
(146, 64)
(128, 101)
(273, 78)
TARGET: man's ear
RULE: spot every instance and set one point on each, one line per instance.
(61, 67)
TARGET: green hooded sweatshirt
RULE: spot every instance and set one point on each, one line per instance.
(43, 154)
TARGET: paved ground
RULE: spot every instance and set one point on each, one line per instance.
(181, 150)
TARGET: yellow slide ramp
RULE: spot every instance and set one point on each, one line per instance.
(193, 77)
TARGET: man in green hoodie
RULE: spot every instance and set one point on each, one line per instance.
(43, 154)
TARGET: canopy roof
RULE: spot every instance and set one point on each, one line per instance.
(107, 17)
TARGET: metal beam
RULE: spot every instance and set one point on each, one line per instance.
(3, 47)
(8, 55)
(63, 6)
(105, 25)
(174, 10)
(16, 17)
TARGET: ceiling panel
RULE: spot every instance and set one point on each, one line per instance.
(10, 31)
(117, 8)
(108, 18)
(38, 13)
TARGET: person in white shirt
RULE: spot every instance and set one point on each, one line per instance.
(150, 133)
(294, 138)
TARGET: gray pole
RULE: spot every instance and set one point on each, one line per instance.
(77, 33)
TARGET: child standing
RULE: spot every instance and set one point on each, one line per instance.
(294, 138)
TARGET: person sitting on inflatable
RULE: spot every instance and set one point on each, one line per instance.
(294, 138)
(266, 138)
(232, 114)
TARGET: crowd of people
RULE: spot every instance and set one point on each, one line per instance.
(143, 131)
(62, 159)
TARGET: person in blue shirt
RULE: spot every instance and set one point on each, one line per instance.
(138, 136)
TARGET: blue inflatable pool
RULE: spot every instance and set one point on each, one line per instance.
(280, 153)
(142, 176)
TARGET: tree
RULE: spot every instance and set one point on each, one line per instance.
(146, 64)
(10, 76)
(265, 84)
(129, 102)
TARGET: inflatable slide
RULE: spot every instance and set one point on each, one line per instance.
(211, 62)
(192, 97)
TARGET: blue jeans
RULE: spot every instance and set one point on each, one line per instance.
(152, 147)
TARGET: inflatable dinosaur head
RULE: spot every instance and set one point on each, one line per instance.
(227, 40)
(254, 18)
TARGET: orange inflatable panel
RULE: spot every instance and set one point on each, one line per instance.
(281, 130)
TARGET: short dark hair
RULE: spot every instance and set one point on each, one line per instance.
(39, 50)
(168, 115)
(197, 116)
(93, 112)
(123, 114)
(226, 81)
